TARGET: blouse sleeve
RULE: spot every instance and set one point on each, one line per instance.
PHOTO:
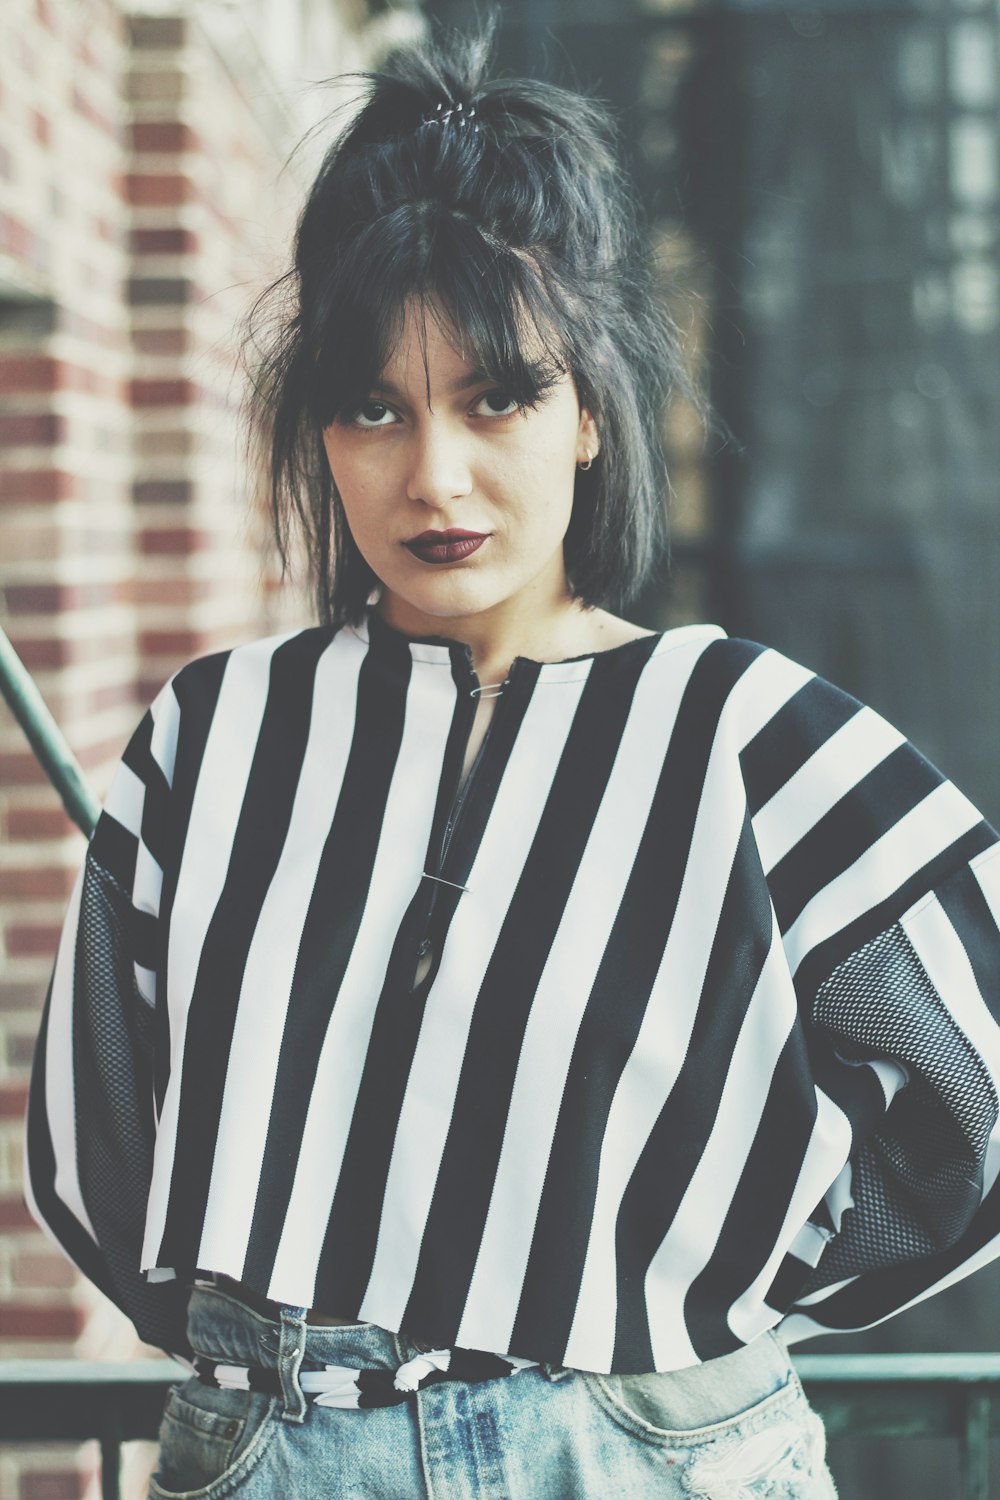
(885, 882)
(95, 1087)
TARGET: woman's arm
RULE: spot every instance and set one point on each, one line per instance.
(95, 1088)
(885, 884)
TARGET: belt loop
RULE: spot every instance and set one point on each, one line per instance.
(291, 1348)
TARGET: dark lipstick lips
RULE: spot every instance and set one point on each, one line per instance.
(445, 546)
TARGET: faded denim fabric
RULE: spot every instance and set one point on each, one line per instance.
(736, 1428)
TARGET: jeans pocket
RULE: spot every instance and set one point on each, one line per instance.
(688, 1403)
(209, 1438)
(739, 1425)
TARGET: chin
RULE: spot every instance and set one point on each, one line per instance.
(455, 611)
(447, 597)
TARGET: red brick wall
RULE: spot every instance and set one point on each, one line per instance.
(66, 569)
(144, 197)
(192, 191)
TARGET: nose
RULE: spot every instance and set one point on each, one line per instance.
(439, 469)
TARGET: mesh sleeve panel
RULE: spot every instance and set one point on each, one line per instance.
(115, 1120)
(917, 1181)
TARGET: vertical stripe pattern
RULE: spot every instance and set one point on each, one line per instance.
(709, 1042)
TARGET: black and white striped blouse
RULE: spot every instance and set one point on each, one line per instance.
(708, 1043)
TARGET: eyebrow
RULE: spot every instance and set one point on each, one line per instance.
(463, 383)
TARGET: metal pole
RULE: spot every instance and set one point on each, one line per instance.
(111, 1466)
(976, 1445)
(46, 738)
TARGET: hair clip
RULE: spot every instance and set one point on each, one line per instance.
(457, 111)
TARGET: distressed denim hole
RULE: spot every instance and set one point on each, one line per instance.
(785, 1461)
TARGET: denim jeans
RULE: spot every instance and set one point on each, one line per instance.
(738, 1427)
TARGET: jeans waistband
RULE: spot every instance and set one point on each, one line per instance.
(355, 1365)
(352, 1365)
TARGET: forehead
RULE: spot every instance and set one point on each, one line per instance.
(428, 339)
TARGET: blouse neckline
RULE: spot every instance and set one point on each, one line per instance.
(442, 650)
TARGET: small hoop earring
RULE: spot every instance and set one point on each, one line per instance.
(590, 460)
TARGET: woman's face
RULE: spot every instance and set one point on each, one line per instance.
(471, 463)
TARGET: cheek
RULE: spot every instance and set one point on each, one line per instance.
(359, 496)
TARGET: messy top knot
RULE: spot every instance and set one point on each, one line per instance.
(512, 215)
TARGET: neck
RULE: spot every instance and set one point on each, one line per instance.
(497, 636)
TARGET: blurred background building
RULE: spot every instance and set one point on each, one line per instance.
(822, 187)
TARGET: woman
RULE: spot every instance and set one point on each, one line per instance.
(493, 1030)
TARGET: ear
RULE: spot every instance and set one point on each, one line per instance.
(587, 438)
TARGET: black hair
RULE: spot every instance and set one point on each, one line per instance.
(530, 215)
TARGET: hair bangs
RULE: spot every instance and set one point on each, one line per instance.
(496, 309)
(485, 296)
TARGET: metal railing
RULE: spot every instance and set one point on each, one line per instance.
(73, 1400)
(911, 1395)
(51, 749)
(866, 1395)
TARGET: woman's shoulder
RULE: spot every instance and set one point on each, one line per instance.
(255, 648)
(229, 680)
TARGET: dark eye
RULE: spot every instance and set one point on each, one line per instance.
(367, 407)
(502, 399)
